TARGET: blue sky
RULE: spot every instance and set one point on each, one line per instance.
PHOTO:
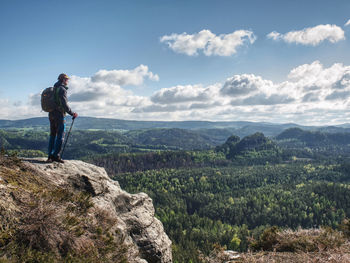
(121, 67)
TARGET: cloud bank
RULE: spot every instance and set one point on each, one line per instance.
(208, 42)
(104, 94)
(311, 36)
(311, 94)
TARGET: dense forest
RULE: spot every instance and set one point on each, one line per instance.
(228, 205)
(213, 188)
(229, 195)
(89, 143)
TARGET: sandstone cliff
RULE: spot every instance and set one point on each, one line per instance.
(105, 215)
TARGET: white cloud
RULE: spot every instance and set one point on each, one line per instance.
(209, 43)
(160, 108)
(310, 91)
(338, 95)
(179, 94)
(226, 45)
(311, 94)
(263, 99)
(124, 77)
(245, 84)
(317, 78)
(347, 23)
(35, 99)
(311, 36)
(18, 109)
(106, 87)
(101, 95)
(274, 35)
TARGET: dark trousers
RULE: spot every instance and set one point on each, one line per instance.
(57, 130)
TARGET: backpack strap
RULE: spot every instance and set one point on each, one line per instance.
(57, 99)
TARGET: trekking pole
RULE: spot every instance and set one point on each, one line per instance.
(65, 142)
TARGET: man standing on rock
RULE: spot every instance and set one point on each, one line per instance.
(57, 119)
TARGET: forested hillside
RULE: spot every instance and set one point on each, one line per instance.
(87, 143)
(212, 188)
(227, 205)
(314, 138)
(229, 196)
(176, 138)
(317, 142)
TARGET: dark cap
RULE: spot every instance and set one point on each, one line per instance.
(62, 76)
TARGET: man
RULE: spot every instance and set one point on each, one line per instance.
(57, 119)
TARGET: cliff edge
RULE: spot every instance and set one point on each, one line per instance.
(73, 209)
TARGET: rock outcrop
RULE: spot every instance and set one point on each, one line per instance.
(135, 216)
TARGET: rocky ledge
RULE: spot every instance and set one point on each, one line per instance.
(134, 214)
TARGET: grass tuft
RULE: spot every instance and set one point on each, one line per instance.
(40, 222)
(302, 240)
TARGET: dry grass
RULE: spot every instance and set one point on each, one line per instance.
(301, 246)
(40, 227)
(288, 246)
(339, 255)
(302, 240)
(52, 224)
(345, 228)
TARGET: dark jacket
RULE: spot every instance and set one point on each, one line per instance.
(61, 98)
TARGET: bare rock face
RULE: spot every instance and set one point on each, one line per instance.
(144, 234)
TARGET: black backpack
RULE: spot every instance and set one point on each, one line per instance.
(49, 99)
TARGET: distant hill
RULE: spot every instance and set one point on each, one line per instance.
(315, 138)
(254, 142)
(220, 130)
(26, 123)
(216, 136)
(106, 124)
(176, 138)
(90, 142)
(255, 148)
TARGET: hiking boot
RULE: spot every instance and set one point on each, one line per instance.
(49, 159)
(58, 159)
